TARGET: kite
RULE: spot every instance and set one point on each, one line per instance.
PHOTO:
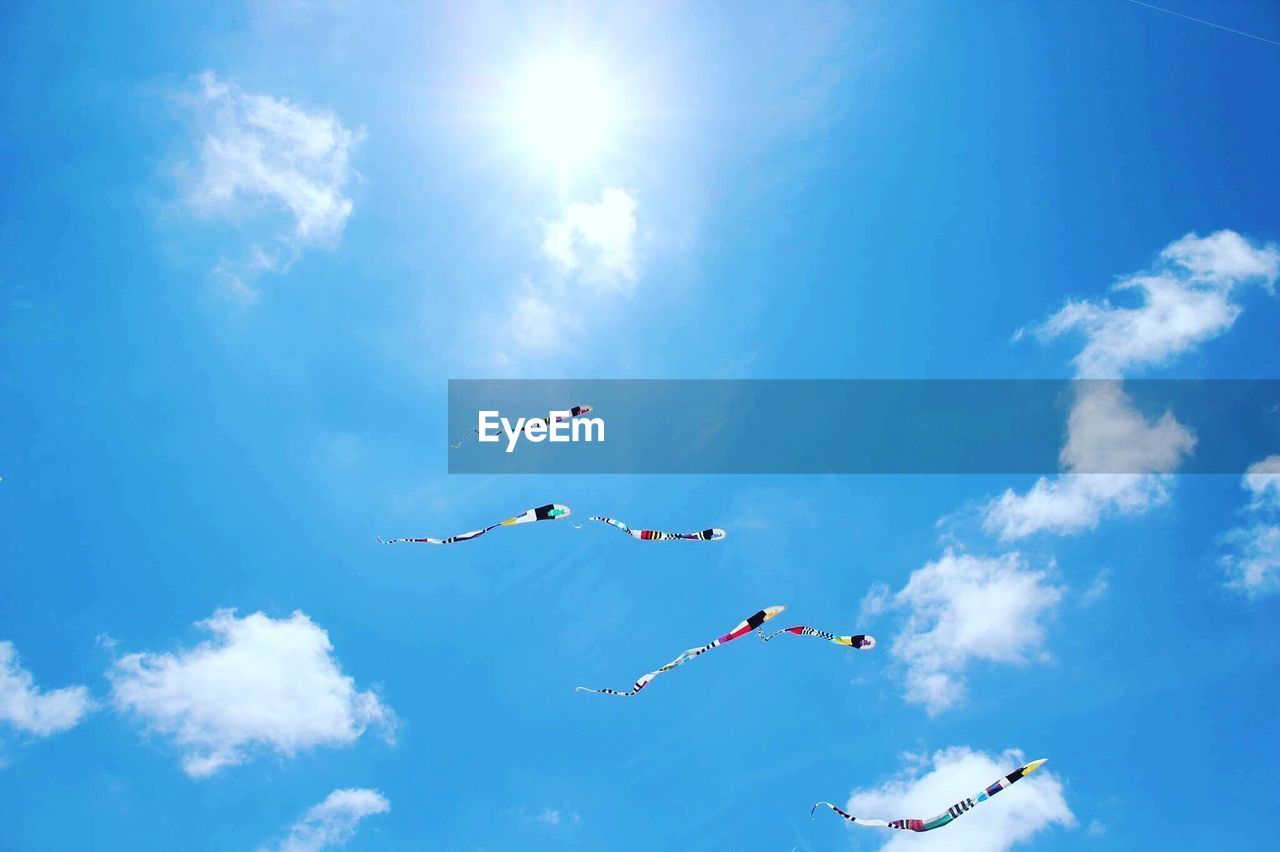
(549, 512)
(576, 411)
(952, 813)
(860, 641)
(741, 630)
(659, 535)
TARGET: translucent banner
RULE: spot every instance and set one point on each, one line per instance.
(862, 426)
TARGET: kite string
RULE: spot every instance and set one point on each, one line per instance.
(1206, 23)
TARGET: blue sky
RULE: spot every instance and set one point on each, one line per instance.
(242, 250)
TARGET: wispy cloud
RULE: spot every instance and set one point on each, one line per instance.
(26, 708)
(553, 817)
(1262, 481)
(1105, 432)
(1097, 590)
(1253, 564)
(596, 240)
(962, 608)
(927, 787)
(548, 818)
(258, 683)
(272, 162)
(334, 821)
(537, 323)
(1114, 457)
(592, 254)
(1184, 301)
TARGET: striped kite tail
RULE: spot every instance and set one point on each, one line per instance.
(878, 823)
(410, 540)
(607, 691)
(617, 524)
(842, 813)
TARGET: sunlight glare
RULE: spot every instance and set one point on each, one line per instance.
(565, 112)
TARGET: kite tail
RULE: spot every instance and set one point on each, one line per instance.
(607, 691)
(613, 522)
(410, 540)
(714, 534)
(639, 685)
(467, 434)
(842, 813)
(858, 641)
(878, 823)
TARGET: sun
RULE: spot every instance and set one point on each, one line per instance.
(566, 112)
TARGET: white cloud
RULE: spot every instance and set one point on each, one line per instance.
(592, 248)
(258, 683)
(1108, 441)
(1097, 590)
(1262, 480)
(922, 790)
(1224, 258)
(257, 148)
(334, 821)
(1185, 301)
(26, 708)
(554, 817)
(1254, 565)
(1175, 315)
(963, 608)
(596, 240)
(876, 600)
(1070, 504)
(549, 818)
(1116, 455)
(1106, 434)
(536, 323)
(264, 158)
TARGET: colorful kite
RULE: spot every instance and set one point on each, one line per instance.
(549, 512)
(659, 535)
(952, 813)
(859, 641)
(741, 630)
(576, 411)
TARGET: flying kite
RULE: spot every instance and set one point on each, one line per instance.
(859, 641)
(952, 813)
(549, 512)
(576, 411)
(659, 535)
(741, 630)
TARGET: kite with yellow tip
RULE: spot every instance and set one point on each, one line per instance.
(951, 814)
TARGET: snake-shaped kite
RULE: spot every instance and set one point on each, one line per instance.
(859, 641)
(951, 814)
(549, 512)
(745, 627)
(659, 535)
(576, 411)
